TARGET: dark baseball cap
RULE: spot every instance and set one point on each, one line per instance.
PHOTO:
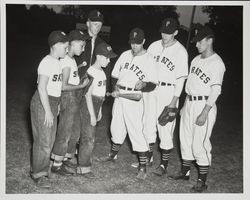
(105, 50)
(57, 36)
(95, 16)
(136, 36)
(203, 33)
(169, 25)
(77, 35)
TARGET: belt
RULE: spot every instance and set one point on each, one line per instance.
(127, 88)
(165, 84)
(197, 98)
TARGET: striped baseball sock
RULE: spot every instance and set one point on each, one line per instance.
(203, 171)
(150, 152)
(185, 169)
(165, 154)
(142, 159)
(114, 149)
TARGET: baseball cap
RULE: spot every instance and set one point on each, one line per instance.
(105, 50)
(202, 33)
(169, 26)
(136, 36)
(57, 36)
(95, 16)
(77, 35)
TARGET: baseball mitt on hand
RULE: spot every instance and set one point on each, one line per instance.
(167, 115)
(86, 88)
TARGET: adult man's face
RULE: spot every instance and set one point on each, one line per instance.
(94, 27)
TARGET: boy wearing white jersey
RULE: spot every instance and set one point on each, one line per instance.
(132, 66)
(198, 114)
(44, 107)
(68, 131)
(172, 66)
(91, 108)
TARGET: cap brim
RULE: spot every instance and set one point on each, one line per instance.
(111, 55)
(96, 19)
(167, 31)
(135, 41)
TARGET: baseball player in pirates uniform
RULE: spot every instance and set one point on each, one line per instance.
(44, 107)
(172, 65)
(69, 117)
(132, 66)
(91, 107)
(198, 114)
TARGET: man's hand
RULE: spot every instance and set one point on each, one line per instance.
(93, 120)
(48, 121)
(201, 119)
(139, 85)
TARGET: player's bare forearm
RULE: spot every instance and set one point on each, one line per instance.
(173, 103)
(202, 118)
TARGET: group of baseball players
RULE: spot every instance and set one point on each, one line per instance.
(72, 83)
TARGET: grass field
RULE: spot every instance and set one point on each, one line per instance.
(225, 175)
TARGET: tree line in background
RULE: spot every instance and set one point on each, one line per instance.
(39, 21)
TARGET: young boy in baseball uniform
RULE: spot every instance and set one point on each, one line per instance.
(91, 107)
(172, 65)
(132, 66)
(68, 131)
(44, 107)
(198, 114)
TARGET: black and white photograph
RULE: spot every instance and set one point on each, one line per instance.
(124, 100)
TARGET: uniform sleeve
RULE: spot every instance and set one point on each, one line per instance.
(182, 65)
(217, 73)
(44, 68)
(64, 63)
(117, 68)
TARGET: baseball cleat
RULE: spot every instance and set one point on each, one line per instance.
(61, 170)
(142, 174)
(199, 187)
(108, 158)
(160, 171)
(180, 176)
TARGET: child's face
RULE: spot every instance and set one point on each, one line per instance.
(61, 49)
(104, 61)
(78, 46)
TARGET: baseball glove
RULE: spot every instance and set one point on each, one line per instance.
(167, 115)
(86, 88)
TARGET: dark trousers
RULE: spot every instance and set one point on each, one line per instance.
(87, 134)
(68, 132)
(43, 136)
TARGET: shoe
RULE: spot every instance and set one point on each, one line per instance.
(160, 171)
(68, 163)
(108, 158)
(61, 170)
(149, 164)
(85, 171)
(42, 182)
(199, 187)
(180, 176)
(142, 174)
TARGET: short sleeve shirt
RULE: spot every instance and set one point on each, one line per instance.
(51, 68)
(99, 81)
(172, 61)
(129, 69)
(71, 63)
(204, 73)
